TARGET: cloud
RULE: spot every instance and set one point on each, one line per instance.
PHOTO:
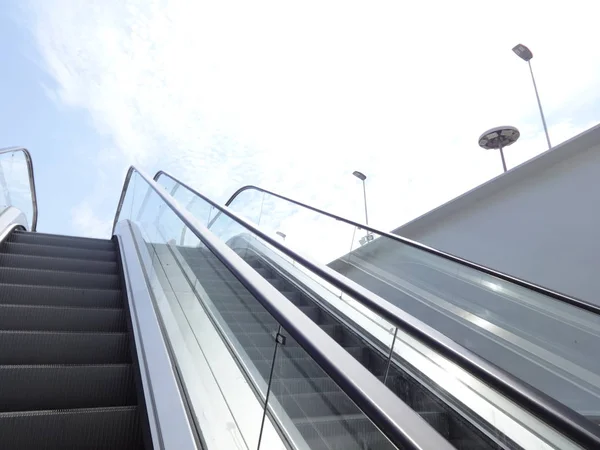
(295, 96)
(88, 223)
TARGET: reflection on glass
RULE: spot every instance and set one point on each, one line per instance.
(15, 189)
(547, 343)
(225, 344)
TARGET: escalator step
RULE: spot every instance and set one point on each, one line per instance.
(61, 241)
(354, 432)
(22, 248)
(322, 404)
(59, 387)
(60, 318)
(57, 263)
(115, 428)
(42, 347)
(23, 294)
(57, 278)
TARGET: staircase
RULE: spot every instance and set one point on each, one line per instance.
(66, 372)
(458, 431)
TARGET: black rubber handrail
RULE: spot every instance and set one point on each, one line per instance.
(518, 281)
(569, 422)
(403, 427)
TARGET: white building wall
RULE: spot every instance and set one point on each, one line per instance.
(540, 221)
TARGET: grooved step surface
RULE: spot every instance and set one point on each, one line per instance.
(52, 318)
(58, 278)
(115, 428)
(66, 378)
(59, 387)
(23, 248)
(17, 294)
(57, 263)
(61, 241)
(45, 347)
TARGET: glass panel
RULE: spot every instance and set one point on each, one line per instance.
(224, 344)
(547, 343)
(323, 415)
(15, 189)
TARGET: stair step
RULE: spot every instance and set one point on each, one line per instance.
(57, 263)
(24, 294)
(51, 347)
(341, 432)
(21, 248)
(59, 240)
(115, 428)
(57, 278)
(39, 387)
(317, 404)
(60, 318)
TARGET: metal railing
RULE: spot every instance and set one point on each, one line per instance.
(31, 181)
(571, 424)
(464, 262)
(402, 426)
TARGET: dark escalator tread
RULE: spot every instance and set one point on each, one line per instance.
(115, 428)
(60, 318)
(43, 347)
(57, 263)
(24, 294)
(322, 404)
(58, 240)
(41, 387)
(356, 432)
(21, 248)
(57, 278)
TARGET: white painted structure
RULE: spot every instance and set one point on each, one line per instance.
(539, 221)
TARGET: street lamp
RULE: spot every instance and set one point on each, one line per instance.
(279, 233)
(361, 176)
(498, 138)
(525, 54)
(368, 237)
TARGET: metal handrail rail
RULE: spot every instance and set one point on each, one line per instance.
(31, 180)
(503, 276)
(570, 423)
(403, 426)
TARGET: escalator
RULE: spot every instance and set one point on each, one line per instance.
(324, 416)
(67, 377)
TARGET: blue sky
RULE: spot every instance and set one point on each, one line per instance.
(289, 96)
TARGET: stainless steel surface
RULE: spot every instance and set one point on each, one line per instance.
(168, 420)
(395, 419)
(11, 219)
(31, 181)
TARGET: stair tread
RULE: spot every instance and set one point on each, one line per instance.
(19, 293)
(57, 263)
(60, 318)
(22, 248)
(34, 387)
(51, 347)
(49, 278)
(114, 427)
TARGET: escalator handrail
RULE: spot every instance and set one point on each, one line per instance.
(31, 180)
(570, 423)
(503, 276)
(403, 426)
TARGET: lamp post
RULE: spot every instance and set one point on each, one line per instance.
(368, 237)
(526, 55)
(498, 138)
(281, 234)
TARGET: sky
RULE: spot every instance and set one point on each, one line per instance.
(290, 96)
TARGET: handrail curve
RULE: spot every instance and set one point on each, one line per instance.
(29, 162)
